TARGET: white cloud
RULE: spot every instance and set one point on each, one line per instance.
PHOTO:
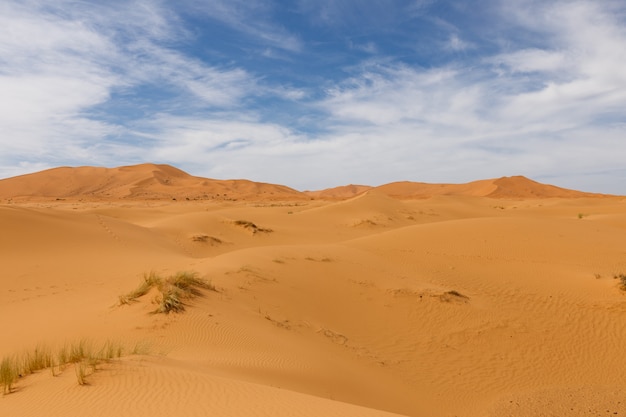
(533, 60)
(58, 62)
(553, 110)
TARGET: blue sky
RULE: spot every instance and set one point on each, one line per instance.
(319, 93)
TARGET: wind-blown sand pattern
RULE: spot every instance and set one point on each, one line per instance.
(493, 298)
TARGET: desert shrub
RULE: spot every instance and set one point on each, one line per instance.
(179, 287)
(173, 290)
(170, 301)
(149, 280)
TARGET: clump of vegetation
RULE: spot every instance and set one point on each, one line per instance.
(82, 355)
(173, 290)
(326, 259)
(149, 280)
(453, 295)
(8, 374)
(206, 239)
(622, 280)
(252, 227)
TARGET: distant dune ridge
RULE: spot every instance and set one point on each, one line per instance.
(144, 181)
(159, 181)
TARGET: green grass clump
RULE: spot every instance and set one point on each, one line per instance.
(173, 290)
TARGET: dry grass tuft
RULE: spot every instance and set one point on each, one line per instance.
(8, 374)
(206, 239)
(174, 290)
(149, 280)
(453, 295)
(81, 354)
(252, 227)
(178, 288)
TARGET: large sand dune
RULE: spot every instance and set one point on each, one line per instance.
(493, 298)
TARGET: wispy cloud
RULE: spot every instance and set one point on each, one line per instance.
(60, 63)
(455, 43)
(548, 107)
(251, 17)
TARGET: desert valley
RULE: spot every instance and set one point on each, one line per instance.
(493, 298)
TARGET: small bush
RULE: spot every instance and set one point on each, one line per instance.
(149, 280)
(173, 290)
(170, 301)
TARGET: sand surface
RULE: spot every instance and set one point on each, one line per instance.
(494, 298)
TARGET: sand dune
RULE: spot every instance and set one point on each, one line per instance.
(164, 182)
(339, 193)
(507, 187)
(143, 182)
(374, 305)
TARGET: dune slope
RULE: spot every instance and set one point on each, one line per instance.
(370, 306)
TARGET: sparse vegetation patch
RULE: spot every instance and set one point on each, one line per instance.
(173, 290)
(201, 238)
(252, 227)
(622, 280)
(82, 355)
(453, 295)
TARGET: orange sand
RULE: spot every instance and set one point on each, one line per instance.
(343, 309)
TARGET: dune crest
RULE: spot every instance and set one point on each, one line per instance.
(516, 187)
(165, 182)
(136, 182)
